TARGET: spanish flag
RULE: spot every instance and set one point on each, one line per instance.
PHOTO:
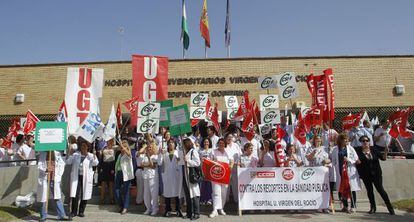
(204, 28)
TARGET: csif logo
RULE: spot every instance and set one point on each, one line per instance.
(308, 173)
(268, 101)
(231, 101)
(269, 117)
(199, 99)
(198, 113)
(232, 113)
(284, 80)
(288, 92)
(266, 128)
(267, 82)
(148, 125)
(148, 109)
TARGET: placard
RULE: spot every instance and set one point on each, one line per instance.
(179, 120)
(199, 99)
(149, 110)
(270, 117)
(231, 113)
(165, 105)
(50, 136)
(231, 102)
(267, 82)
(148, 125)
(197, 112)
(270, 101)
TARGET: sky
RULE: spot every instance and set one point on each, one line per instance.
(51, 31)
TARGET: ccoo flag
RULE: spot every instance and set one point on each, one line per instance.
(204, 28)
(185, 37)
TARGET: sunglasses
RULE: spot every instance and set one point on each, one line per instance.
(365, 140)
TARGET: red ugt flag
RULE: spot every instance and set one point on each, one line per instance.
(351, 121)
(119, 116)
(248, 126)
(214, 118)
(13, 131)
(244, 107)
(31, 120)
(300, 130)
(217, 172)
(398, 122)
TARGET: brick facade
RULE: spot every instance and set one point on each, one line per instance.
(362, 81)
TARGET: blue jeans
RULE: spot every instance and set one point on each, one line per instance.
(122, 190)
(59, 207)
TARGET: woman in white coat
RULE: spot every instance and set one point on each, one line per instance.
(191, 190)
(149, 161)
(81, 177)
(55, 169)
(172, 174)
(341, 153)
(124, 173)
(220, 190)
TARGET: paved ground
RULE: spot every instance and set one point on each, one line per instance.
(109, 213)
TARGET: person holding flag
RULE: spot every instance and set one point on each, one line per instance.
(233, 149)
(221, 154)
(206, 152)
(267, 155)
(124, 173)
(344, 158)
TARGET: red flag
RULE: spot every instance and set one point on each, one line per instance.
(256, 112)
(300, 130)
(398, 122)
(279, 152)
(13, 132)
(119, 116)
(244, 107)
(217, 172)
(330, 81)
(62, 115)
(248, 126)
(31, 120)
(209, 110)
(204, 27)
(132, 106)
(214, 118)
(345, 187)
(351, 121)
(194, 122)
(314, 117)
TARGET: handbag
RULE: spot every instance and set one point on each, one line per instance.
(195, 174)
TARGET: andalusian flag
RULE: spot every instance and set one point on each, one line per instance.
(185, 38)
(204, 28)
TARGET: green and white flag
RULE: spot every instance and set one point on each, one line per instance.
(185, 38)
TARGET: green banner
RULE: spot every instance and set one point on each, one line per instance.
(50, 136)
(165, 105)
(179, 117)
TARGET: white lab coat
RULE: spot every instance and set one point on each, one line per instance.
(42, 179)
(89, 161)
(193, 161)
(127, 167)
(352, 170)
(171, 174)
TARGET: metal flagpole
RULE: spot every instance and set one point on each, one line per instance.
(228, 51)
(205, 51)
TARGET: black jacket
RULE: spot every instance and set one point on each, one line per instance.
(370, 168)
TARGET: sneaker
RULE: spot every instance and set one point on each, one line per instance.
(221, 212)
(154, 213)
(147, 212)
(353, 210)
(213, 214)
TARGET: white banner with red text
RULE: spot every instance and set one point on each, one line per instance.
(83, 94)
(283, 188)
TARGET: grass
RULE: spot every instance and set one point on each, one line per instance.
(9, 213)
(407, 205)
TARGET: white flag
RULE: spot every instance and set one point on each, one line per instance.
(110, 128)
(89, 128)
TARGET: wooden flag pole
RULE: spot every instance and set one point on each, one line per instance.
(48, 180)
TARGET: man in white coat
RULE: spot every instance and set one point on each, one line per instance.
(55, 168)
(81, 177)
(191, 190)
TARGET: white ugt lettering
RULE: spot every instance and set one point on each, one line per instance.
(150, 72)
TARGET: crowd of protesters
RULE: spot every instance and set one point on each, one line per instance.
(161, 166)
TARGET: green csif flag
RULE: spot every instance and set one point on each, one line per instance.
(185, 38)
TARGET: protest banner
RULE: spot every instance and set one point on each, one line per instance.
(50, 136)
(179, 120)
(267, 82)
(283, 188)
(83, 94)
(149, 79)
